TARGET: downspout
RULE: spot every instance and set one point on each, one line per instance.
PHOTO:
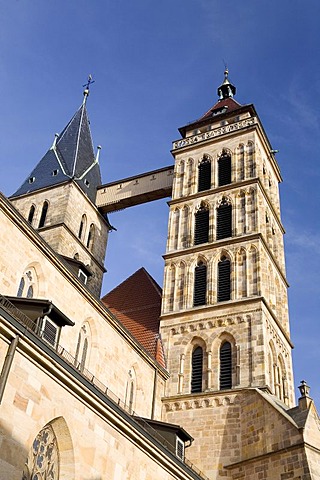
(7, 365)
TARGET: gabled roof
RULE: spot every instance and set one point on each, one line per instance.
(71, 157)
(136, 303)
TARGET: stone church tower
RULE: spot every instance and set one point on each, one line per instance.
(58, 199)
(224, 312)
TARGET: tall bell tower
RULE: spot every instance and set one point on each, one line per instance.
(224, 313)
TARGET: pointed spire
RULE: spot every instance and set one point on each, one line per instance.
(71, 157)
(226, 89)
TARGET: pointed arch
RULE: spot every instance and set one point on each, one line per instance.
(224, 219)
(131, 389)
(204, 174)
(91, 237)
(175, 228)
(82, 227)
(224, 279)
(201, 229)
(44, 213)
(200, 284)
(225, 362)
(196, 370)
(31, 214)
(178, 180)
(51, 454)
(83, 347)
(28, 283)
(185, 236)
(224, 168)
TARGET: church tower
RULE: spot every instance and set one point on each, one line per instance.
(59, 200)
(224, 313)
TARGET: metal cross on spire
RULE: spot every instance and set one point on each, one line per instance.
(87, 87)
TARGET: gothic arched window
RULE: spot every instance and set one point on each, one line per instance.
(201, 231)
(31, 214)
(197, 368)
(225, 366)
(43, 459)
(44, 212)
(224, 283)
(26, 285)
(82, 348)
(82, 226)
(204, 178)
(90, 237)
(224, 169)
(224, 220)
(200, 285)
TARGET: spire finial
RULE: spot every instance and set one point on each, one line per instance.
(226, 89)
(87, 88)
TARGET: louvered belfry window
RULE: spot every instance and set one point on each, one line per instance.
(225, 366)
(201, 231)
(224, 284)
(224, 170)
(200, 285)
(197, 365)
(204, 179)
(224, 220)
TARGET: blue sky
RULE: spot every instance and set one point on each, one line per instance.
(157, 66)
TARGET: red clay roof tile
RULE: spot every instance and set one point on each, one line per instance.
(136, 303)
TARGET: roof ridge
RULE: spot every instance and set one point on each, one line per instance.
(152, 281)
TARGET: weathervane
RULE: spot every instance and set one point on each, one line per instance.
(87, 87)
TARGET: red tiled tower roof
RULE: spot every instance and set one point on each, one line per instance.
(136, 303)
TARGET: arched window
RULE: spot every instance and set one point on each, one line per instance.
(204, 178)
(201, 232)
(131, 390)
(90, 237)
(26, 285)
(224, 220)
(21, 287)
(200, 285)
(225, 366)
(31, 214)
(224, 283)
(197, 368)
(43, 459)
(82, 348)
(43, 214)
(82, 226)
(224, 169)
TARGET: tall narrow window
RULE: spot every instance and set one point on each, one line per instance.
(201, 232)
(224, 284)
(197, 367)
(200, 285)
(31, 214)
(82, 226)
(21, 287)
(224, 169)
(225, 366)
(204, 179)
(90, 237)
(224, 220)
(43, 214)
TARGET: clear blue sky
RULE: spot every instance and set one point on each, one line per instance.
(157, 66)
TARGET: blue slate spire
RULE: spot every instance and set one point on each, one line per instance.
(71, 157)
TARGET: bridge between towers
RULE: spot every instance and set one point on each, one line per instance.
(136, 190)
